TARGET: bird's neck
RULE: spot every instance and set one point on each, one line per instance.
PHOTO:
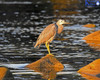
(60, 28)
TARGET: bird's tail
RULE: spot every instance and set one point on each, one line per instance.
(35, 45)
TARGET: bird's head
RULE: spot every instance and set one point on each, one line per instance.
(60, 22)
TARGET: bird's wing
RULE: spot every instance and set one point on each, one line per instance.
(46, 34)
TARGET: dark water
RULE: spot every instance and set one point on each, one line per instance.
(22, 22)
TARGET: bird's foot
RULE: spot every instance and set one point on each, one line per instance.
(50, 54)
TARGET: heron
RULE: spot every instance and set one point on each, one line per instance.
(49, 33)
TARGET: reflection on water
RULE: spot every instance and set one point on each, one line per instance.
(90, 77)
(5, 74)
(64, 7)
(20, 25)
(2, 72)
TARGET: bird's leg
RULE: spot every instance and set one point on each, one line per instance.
(47, 45)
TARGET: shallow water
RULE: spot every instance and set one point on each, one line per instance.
(20, 25)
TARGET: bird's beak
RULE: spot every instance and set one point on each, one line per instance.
(67, 23)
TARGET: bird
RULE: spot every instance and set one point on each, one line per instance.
(49, 33)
